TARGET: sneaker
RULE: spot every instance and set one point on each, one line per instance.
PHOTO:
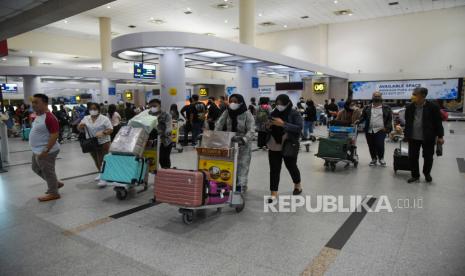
(49, 197)
(272, 199)
(428, 178)
(372, 163)
(413, 179)
(102, 184)
(382, 162)
(97, 178)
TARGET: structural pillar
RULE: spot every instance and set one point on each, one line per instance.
(323, 39)
(107, 87)
(173, 79)
(31, 83)
(247, 71)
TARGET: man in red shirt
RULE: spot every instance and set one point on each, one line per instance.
(44, 145)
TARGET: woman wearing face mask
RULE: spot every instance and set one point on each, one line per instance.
(163, 130)
(97, 125)
(286, 124)
(349, 115)
(309, 119)
(236, 118)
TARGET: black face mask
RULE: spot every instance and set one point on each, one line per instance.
(377, 101)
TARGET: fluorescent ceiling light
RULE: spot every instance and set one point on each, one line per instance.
(214, 64)
(250, 61)
(303, 71)
(278, 67)
(271, 73)
(132, 53)
(186, 59)
(213, 54)
(169, 48)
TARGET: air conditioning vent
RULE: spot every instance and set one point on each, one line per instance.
(393, 3)
(267, 24)
(223, 6)
(343, 12)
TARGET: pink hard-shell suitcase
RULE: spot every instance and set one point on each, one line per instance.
(181, 187)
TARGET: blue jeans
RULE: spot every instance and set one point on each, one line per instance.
(196, 131)
(308, 129)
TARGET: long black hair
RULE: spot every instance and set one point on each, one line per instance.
(111, 110)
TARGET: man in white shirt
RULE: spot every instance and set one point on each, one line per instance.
(378, 122)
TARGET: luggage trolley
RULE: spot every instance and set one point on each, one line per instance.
(176, 126)
(343, 143)
(215, 160)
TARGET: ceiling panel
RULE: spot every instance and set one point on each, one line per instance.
(9, 8)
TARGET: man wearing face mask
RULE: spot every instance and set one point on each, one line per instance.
(378, 123)
(163, 130)
(301, 105)
(423, 128)
(236, 118)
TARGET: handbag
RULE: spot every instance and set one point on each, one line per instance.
(89, 145)
(290, 148)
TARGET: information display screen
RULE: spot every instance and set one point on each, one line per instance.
(446, 89)
(144, 70)
(9, 87)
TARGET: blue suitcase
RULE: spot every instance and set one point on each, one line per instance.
(123, 169)
(25, 133)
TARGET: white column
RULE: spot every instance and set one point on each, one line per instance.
(31, 86)
(247, 22)
(33, 61)
(323, 39)
(172, 79)
(106, 60)
(245, 73)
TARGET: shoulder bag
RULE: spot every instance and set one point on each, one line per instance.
(89, 145)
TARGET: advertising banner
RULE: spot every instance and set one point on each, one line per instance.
(220, 170)
(401, 90)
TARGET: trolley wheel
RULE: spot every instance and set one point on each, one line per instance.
(313, 138)
(307, 148)
(121, 193)
(188, 217)
(180, 150)
(333, 166)
(355, 164)
(242, 206)
(326, 164)
(153, 200)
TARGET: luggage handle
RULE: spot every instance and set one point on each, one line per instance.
(142, 167)
(103, 166)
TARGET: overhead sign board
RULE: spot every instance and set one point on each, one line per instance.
(203, 91)
(144, 70)
(319, 87)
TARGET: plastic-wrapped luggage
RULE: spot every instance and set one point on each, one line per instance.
(333, 148)
(144, 120)
(401, 161)
(123, 169)
(217, 139)
(129, 141)
(181, 187)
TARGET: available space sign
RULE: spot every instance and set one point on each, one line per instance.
(437, 88)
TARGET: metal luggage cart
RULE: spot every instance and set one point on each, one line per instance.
(122, 189)
(218, 159)
(347, 133)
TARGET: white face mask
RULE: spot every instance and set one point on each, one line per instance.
(154, 109)
(93, 112)
(234, 106)
(281, 108)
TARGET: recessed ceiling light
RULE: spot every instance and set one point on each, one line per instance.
(304, 17)
(350, 14)
(152, 18)
(157, 21)
(285, 26)
(215, 64)
(267, 24)
(236, 28)
(226, 21)
(213, 54)
(250, 61)
(132, 53)
(108, 7)
(65, 21)
(343, 12)
(335, 2)
(223, 6)
(188, 12)
(46, 63)
(76, 57)
(210, 34)
(30, 52)
(260, 14)
(4, 59)
(188, 9)
(393, 3)
(131, 26)
(278, 67)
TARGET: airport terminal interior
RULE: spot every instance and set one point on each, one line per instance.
(147, 137)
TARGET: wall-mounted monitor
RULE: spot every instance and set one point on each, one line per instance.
(9, 87)
(85, 96)
(144, 70)
(280, 86)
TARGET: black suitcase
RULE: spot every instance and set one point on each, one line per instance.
(401, 162)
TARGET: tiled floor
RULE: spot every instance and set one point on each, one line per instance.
(154, 241)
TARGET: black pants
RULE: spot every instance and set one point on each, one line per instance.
(165, 152)
(375, 143)
(275, 159)
(187, 129)
(211, 125)
(261, 141)
(414, 155)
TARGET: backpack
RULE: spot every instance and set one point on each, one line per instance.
(262, 115)
(201, 110)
